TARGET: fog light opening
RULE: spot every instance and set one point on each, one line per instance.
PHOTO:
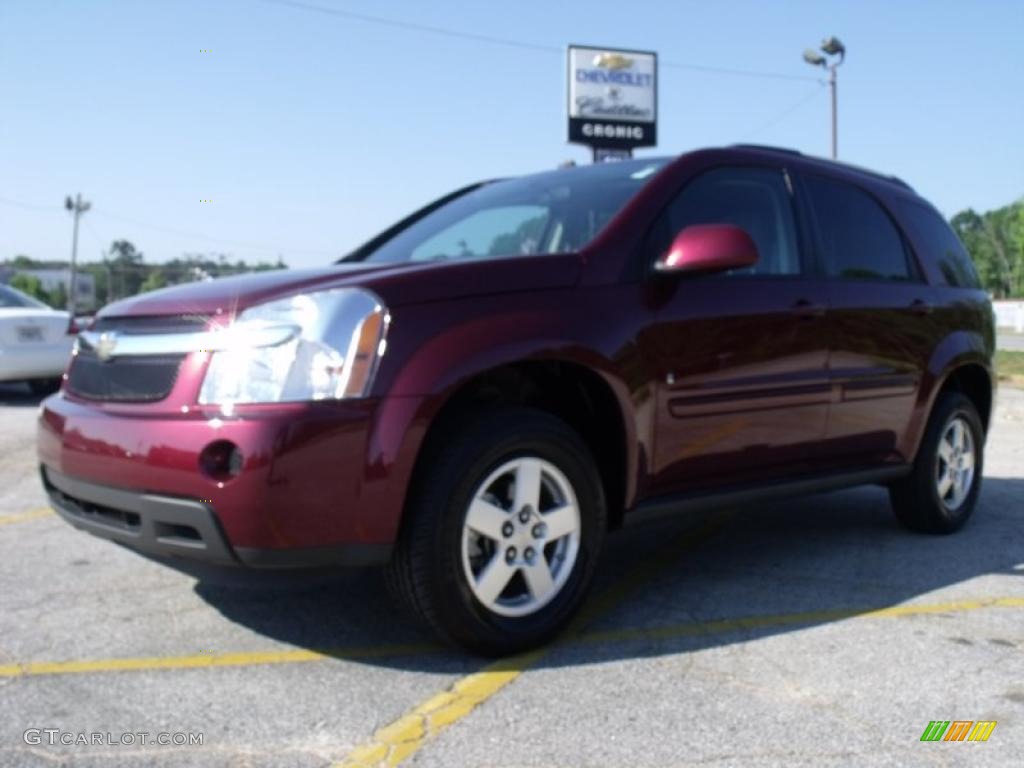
(221, 460)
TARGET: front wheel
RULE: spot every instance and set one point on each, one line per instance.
(503, 529)
(942, 490)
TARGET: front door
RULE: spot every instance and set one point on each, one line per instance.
(743, 385)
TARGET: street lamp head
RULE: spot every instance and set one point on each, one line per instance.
(833, 46)
(814, 58)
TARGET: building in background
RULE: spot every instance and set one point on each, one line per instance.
(51, 280)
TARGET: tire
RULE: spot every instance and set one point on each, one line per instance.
(934, 498)
(43, 387)
(440, 560)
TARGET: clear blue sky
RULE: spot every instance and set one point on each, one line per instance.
(310, 132)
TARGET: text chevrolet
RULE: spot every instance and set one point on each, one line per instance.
(477, 395)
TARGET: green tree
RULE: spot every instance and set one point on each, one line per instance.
(155, 280)
(127, 266)
(995, 240)
(58, 297)
(1016, 231)
(30, 285)
(101, 280)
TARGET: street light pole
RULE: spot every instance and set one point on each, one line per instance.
(78, 206)
(832, 47)
(835, 117)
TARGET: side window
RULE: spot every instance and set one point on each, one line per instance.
(941, 244)
(858, 238)
(754, 199)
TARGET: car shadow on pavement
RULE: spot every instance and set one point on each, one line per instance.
(18, 394)
(788, 566)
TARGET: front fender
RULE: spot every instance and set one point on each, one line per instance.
(437, 360)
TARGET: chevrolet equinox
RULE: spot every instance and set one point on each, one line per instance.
(478, 394)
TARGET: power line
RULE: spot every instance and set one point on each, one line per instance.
(509, 42)
(213, 239)
(31, 207)
(735, 72)
(174, 231)
(415, 27)
(784, 113)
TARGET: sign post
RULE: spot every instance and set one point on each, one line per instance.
(613, 100)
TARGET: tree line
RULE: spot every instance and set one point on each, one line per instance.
(126, 273)
(995, 240)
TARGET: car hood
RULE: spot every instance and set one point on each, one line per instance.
(396, 284)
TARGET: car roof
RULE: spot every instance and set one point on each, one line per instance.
(824, 164)
(760, 151)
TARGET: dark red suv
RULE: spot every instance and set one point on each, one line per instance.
(478, 394)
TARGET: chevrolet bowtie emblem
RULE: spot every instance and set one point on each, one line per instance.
(613, 61)
(105, 345)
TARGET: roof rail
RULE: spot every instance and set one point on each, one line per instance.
(875, 174)
(769, 148)
(859, 169)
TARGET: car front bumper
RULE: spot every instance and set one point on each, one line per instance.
(167, 526)
(316, 487)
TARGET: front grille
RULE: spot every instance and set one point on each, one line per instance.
(131, 379)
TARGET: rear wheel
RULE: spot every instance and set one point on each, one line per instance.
(503, 529)
(942, 490)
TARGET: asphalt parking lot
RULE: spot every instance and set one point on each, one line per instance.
(811, 632)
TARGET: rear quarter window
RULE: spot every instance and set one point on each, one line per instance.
(940, 243)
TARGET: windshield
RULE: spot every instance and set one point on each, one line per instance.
(553, 212)
(12, 299)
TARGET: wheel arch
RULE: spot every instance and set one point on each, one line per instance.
(588, 399)
(962, 364)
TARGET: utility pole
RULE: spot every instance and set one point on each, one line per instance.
(830, 46)
(110, 277)
(78, 206)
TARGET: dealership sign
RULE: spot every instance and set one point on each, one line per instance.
(613, 97)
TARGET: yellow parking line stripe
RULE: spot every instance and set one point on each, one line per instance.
(722, 626)
(497, 675)
(23, 517)
(401, 739)
(203, 660)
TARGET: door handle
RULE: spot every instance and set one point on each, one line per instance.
(921, 307)
(807, 310)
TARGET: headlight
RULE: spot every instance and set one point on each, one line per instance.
(336, 339)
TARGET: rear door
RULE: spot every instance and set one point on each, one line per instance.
(742, 393)
(881, 326)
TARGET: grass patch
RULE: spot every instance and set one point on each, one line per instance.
(1010, 365)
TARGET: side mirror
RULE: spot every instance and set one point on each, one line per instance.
(708, 248)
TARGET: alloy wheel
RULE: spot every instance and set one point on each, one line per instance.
(521, 537)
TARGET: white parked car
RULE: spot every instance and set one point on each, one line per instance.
(35, 342)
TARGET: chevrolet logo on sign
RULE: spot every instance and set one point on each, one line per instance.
(612, 61)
